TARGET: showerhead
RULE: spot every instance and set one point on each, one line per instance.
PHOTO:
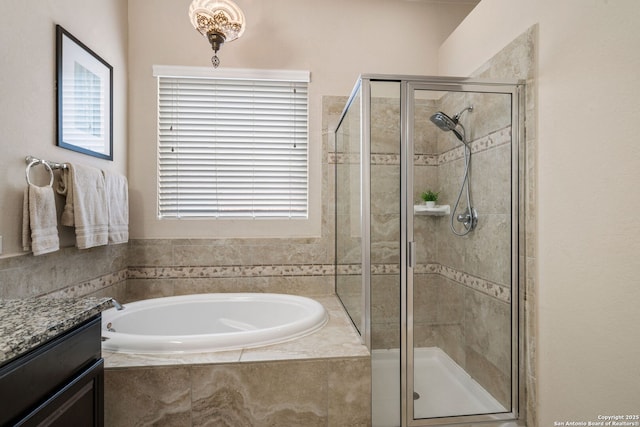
(446, 123)
(443, 121)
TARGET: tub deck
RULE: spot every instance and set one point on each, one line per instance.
(323, 379)
(336, 339)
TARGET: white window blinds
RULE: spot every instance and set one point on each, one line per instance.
(233, 146)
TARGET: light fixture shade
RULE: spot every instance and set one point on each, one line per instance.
(221, 17)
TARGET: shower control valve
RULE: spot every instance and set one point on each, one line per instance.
(469, 218)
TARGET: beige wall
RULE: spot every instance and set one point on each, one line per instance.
(160, 33)
(28, 97)
(334, 39)
(586, 274)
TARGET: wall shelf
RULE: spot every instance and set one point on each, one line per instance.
(438, 210)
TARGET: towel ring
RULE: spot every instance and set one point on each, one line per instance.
(35, 162)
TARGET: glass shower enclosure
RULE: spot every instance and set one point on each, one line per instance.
(434, 290)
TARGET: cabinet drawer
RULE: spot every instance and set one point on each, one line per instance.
(31, 379)
(79, 403)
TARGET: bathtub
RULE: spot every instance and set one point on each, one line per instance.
(209, 322)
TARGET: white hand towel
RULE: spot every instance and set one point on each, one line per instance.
(90, 214)
(118, 207)
(26, 226)
(64, 187)
(39, 220)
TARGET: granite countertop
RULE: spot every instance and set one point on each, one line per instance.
(27, 323)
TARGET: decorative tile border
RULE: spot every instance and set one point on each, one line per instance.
(349, 269)
(90, 286)
(481, 285)
(486, 287)
(344, 158)
(492, 140)
(383, 159)
(426, 159)
(231, 271)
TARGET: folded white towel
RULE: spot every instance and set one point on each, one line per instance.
(87, 199)
(39, 220)
(117, 190)
(64, 187)
(26, 226)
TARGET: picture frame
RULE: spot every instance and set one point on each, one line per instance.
(84, 98)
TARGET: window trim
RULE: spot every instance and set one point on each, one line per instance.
(231, 73)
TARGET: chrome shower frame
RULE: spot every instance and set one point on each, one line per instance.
(408, 85)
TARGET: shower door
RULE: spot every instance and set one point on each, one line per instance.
(433, 291)
(460, 293)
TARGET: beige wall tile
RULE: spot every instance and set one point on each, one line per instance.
(261, 394)
(349, 390)
(147, 397)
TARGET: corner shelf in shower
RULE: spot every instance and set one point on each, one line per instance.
(438, 210)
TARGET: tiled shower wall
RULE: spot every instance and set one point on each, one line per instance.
(70, 272)
(462, 301)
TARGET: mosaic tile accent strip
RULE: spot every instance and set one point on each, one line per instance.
(426, 160)
(385, 159)
(493, 140)
(90, 286)
(230, 271)
(419, 159)
(427, 269)
(385, 269)
(356, 269)
(487, 287)
(344, 158)
(481, 285)
(349, 269)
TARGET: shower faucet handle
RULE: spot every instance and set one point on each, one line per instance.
(469, 218)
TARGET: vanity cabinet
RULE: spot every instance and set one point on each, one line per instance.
(59, 383)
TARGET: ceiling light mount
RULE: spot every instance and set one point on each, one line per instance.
(220, 21)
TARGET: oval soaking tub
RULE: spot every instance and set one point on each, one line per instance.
(209, 322)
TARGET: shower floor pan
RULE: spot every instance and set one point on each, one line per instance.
(443, 387)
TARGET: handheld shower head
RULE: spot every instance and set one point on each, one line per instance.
(443, 121)
(446, 123)
(469, 217)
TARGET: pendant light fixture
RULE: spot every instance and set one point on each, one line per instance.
(219, 21)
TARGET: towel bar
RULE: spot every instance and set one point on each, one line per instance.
(39, 162)
(52, 165)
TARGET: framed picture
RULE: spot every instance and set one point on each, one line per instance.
(85, 98)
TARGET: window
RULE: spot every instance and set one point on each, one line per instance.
(232, 143)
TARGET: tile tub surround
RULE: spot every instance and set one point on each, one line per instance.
(69, 272)
(27, 323)
(322, 379)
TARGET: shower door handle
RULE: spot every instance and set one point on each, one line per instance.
(412, 254)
